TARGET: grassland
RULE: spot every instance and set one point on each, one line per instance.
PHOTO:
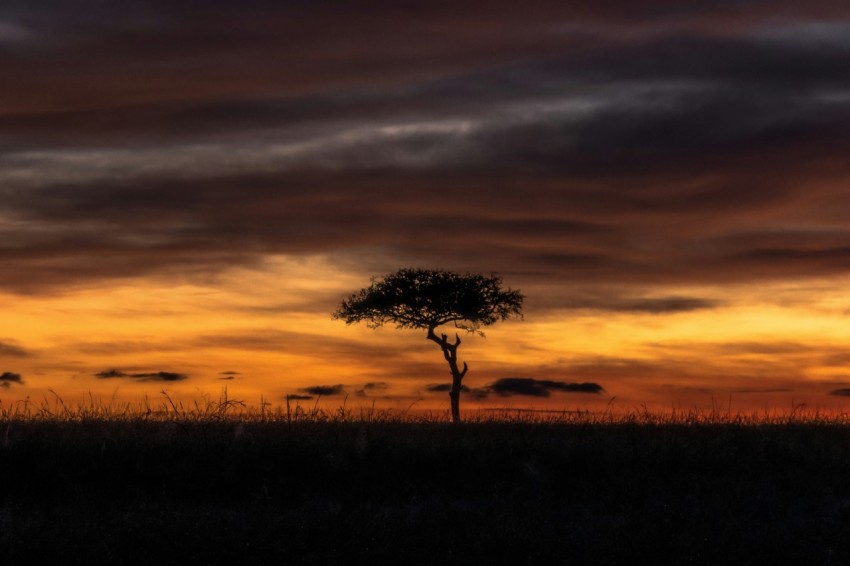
(217, 483)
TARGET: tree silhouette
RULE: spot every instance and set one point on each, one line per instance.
(428, 299)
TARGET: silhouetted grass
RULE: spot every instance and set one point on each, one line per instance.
(219, 482)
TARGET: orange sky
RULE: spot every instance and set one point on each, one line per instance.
(768, 347)
(184, 200)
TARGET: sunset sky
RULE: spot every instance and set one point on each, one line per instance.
(188, 189)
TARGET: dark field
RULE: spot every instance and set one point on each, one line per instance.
(133, 491)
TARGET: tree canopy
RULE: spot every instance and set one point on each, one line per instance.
(428, 298)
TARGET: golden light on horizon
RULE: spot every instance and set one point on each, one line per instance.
(267, 332)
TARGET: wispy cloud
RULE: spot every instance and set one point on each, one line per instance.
(12, 350)
(13, 33)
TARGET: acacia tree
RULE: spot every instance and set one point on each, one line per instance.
(427, 299)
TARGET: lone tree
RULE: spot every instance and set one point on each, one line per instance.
(428, 299)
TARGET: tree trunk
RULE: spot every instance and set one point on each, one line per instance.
(450, 353)
(454, 395)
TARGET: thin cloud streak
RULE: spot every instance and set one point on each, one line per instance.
(12, 350)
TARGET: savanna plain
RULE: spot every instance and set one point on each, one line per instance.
(219, 482)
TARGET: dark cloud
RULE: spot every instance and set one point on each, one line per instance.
(145, 376)
(531, 387)
(159, 376)
(325, 390)
(7, 378)
(589, 143)
(243, 225)
(840, 392)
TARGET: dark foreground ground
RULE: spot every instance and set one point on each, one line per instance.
(402, 493)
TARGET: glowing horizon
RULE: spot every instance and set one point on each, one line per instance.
(751, 354)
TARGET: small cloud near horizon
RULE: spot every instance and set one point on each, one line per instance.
(145, 376)
(526, 386)
(530, 387)
(844, 392)
(324, 390)
(7, 378)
